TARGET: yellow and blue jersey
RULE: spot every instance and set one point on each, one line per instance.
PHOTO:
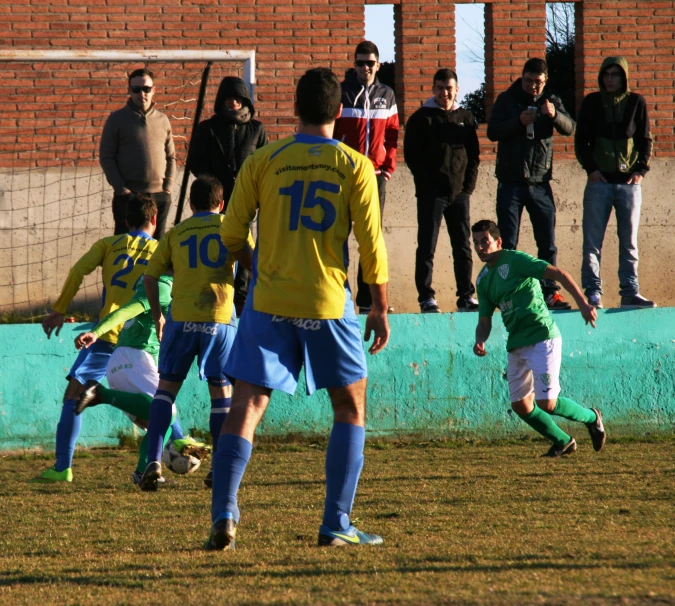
(203, 278)
(123, 260)
(308, 191)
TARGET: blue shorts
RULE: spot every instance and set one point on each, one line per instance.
(211, 342)
(91, 362)
(270, 350)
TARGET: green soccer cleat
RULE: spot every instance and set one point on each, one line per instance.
(51, 475)
(344, 538)
(223, 533)
(188, 446)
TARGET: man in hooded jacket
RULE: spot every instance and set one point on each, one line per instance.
(222, 143)
(613, 145)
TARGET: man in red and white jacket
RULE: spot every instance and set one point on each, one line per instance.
(369, 124)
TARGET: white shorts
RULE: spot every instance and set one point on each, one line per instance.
(132, 370)
(535, 368)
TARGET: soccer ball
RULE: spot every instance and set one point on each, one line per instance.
(179, 463)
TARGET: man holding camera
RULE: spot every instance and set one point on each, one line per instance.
(522, 123)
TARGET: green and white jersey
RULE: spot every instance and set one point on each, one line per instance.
(139, 327)
(513, 286)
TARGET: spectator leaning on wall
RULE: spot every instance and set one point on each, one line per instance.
(522, 122)
(441, 150)
(137, 153)
(613, 145)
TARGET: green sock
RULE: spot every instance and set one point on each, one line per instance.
(569, 409)
(137, 404)
(143, 450)
(542, 423)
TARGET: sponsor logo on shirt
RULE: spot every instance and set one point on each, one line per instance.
(304, 323)
(314, 150)
(481, 275)
(200, 327)
(506, 306)
(503, 271)
(379, 103)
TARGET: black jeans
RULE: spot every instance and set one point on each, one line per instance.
(119, 207)
(431, 209)
(538, 200)
(363, 297)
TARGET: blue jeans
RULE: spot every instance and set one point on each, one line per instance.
(599, 199)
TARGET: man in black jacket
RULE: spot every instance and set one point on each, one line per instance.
(441, 150)
(522, 123)
(221, 144)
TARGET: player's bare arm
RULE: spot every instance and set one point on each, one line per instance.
(559, 275)
(483, 331)
(85, 340)
(377, 320)
(54, 321)
(152, 291)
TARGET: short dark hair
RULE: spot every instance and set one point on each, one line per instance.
(318, 96)
(536, 66)
(367, 48)
(487, 225)
(139, 73)
(206, 193)
(444, 75)
(141, 208)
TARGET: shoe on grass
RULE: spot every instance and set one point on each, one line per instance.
(344, 538)
(150, 478)
(223, 533)
(51, 475)
(597, 431)
(138, 475)
(89, 397)
(560, 450)
(208, 480)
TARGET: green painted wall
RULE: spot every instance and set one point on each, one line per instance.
(427, 380)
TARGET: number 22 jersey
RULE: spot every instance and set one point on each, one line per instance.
(308, 190)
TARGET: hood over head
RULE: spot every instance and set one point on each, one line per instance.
(623, 64)
(231, 86)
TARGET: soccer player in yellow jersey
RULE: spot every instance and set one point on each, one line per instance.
(202, 322)
(308, 191)
(123, 259)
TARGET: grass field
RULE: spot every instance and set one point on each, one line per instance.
(462, 523)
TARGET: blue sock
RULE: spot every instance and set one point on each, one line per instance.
(220, 408)
(67, 432)
(229, 464)
(344, 461)
(176, 431)
(161, 411)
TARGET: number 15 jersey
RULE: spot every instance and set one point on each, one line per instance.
(308, 190)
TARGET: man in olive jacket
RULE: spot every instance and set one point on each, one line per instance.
(522, 122)
(441, 150)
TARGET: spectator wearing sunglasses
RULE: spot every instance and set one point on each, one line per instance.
(137, 153)
(369, 124)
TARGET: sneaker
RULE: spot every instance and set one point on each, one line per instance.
(89, 397)
(597, 431)
(560, 450)
(208, 480)
(150, 478)
(137, 476)
(595, 300)
(188, 446)
(555, 301)
(51, 475)
(467, 304)
(223, 533)
(636, 302)
(430, 307)
(342, 538)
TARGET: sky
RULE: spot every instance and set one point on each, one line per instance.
(469, 20)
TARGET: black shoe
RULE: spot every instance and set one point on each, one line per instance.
(597, 431)
(560, 450)
(223, 533)
(137, 476)
(151, 475)
(467, 304)
(555, 301)
(208, 480)
(430, 307)
(636, 302)
(89, 397)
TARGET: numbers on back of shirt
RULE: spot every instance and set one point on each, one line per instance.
(310, 200)
(127, 269)
(198, 252)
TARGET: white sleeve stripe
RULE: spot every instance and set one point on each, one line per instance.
(382, 114)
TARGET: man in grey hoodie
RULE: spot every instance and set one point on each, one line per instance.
(137, 153)
(441, 150)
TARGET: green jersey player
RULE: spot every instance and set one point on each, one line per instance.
(510, 281)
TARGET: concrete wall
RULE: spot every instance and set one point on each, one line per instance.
(427, 380)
